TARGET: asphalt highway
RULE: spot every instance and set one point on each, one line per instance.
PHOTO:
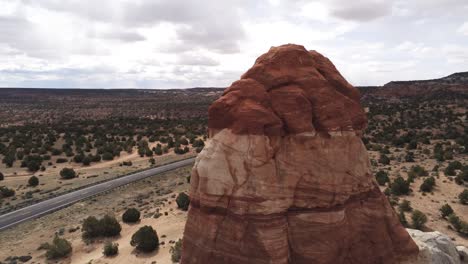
(42, 208)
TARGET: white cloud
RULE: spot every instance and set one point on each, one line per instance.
(463, 29)
(184, 43)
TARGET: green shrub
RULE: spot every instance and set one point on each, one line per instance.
(6, 192)
(405, 206)
(176, 251)
(463, 196)
(399, 186)
(427, 185)
(67, 173)
(33, 181)
(110, 249)
(61, 160)
(382, 177)
(384, 159)
(446, 210)
(419, 219)
(2, 177)
(183, 201)
(131, 215)
(91, 227)
(402, 217)
(455, 221)
(59, 248)
(108, 226)
(145, 239)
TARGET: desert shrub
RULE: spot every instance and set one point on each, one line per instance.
(419, 219)
(78, 158)
(67, 173)
(127, 163)
(2, 177)
(152, 161)
(110, 249)
(183, 201)
(455, 221)
(402, 217)
(33, 181)
(145, 239)
(418, 170)
(158, 150)
(131, 215)
(450, 171)
(86, 161)
(463, 196)
(91, 227)
(61, 160)
(399, 186)
(446, 210)
(409, 157)
(384, 159)
(108, 226)
(427, 185)
(405, 206)
(176, 251)
(107, 156)
(382, 177)
(6, 192)
(459, 179)
(59, 248)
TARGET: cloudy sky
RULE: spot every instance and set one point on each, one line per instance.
(175, 43)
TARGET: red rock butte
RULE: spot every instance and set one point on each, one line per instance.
(285, 177)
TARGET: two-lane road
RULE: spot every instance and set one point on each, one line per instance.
(50, 205)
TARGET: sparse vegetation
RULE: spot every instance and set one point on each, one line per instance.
(183, 201)
(107, 226)
(176, 251)
(59, 248)
(446, 210)
(419, 219)
(131, 215)
(463, 197)
(110, 249)
(33, 181)
(382, 177)
(400, 186)
(67, 173)
(145, 239)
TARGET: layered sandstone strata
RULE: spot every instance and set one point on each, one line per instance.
(285, 177)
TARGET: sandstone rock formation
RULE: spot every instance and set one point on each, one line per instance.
(436, 248)
(285, 177)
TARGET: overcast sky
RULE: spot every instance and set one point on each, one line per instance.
(175, 44)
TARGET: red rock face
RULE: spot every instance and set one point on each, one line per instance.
(285, 177)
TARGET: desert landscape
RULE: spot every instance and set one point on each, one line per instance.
(233, 132)
(410, 136)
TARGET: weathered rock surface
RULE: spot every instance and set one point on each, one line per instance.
(436, 248)
(285, 177)
(463, 252)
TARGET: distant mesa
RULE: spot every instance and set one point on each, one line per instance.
(285, 177)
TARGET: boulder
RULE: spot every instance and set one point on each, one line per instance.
(285, 177)
(434, 248)
(463, 252)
